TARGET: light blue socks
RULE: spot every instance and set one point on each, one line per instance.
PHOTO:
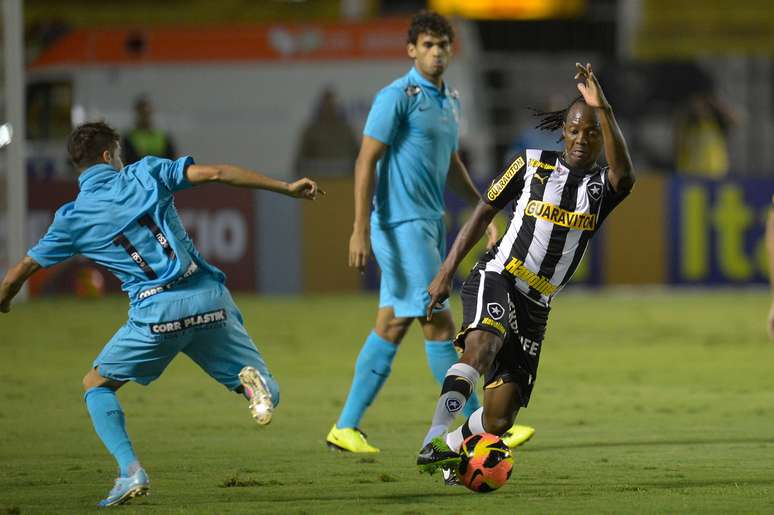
(372, 368)
(441, 356)
(108, 420)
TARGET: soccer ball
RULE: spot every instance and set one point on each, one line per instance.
(486, 463)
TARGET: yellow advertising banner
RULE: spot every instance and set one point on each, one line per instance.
(686, 28)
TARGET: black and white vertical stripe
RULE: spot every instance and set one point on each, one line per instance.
(547, 249)
(518, 235)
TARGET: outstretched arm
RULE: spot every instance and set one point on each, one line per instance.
(14, 280)
(244, 178)
(470, 233)
(461, 183)
(621, 172)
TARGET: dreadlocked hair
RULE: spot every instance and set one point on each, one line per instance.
(553, 120)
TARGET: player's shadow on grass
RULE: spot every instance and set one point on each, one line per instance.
(650, 443)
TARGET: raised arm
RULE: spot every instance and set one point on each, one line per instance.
(470, 233)
(244, 178)
(14, 280)
(371, 150)
(461, 183)
(621, 171)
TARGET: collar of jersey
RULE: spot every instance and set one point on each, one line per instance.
(94, 175)
(579, 171)
(416, 76)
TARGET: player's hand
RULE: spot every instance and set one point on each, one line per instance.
(439, 291)
(359, 250)
(491, 235)
(770, 325)
(589, 87)
(305, 188)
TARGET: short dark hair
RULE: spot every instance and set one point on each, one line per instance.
(429, 22)
(88, 141)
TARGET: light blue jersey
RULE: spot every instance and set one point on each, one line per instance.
(420, 125)
(126, 221)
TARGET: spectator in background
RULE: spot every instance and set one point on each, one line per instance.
(144, 139)
(328, 144)
(701, 136)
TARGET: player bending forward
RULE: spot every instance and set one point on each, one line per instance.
(125, 220)
(560, 200)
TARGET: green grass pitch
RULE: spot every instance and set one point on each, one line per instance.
(647, 402)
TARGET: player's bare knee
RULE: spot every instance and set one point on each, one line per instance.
(94, 380)
(439, 328)
(481, 348)
(393, 330)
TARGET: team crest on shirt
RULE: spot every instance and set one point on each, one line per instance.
(495, 310)
(413, 91)
(595, 190)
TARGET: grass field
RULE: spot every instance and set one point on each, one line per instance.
(655, 402)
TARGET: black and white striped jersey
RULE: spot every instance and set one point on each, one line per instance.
(556, 211)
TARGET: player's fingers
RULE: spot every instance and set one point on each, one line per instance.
(362, 260)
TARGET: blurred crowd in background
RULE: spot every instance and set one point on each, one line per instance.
(285, 86)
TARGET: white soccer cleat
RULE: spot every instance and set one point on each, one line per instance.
(261, 405)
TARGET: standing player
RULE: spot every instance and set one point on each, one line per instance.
(125, 220)
(409, 146)
(560, 200)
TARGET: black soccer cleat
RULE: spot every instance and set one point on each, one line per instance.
(450, 477)
(436, 454)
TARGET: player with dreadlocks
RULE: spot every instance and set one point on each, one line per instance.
(559, 201)
(553, 120)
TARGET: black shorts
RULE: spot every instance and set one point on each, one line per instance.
(491, 303)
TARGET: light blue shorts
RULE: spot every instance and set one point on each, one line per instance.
(198, 319)
(409, 255)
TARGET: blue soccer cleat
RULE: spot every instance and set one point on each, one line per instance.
(125, 488)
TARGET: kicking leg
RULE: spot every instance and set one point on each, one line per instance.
(501, 405)
(440, 351)
(372, 368)
(481, 347)
(227, 353)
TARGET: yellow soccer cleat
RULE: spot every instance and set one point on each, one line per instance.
(517, 435)
(349, 439)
